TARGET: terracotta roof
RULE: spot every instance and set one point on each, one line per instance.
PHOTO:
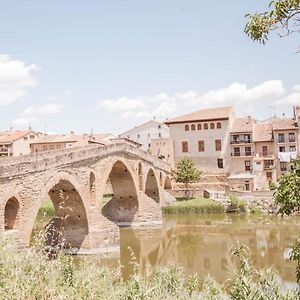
(11, 136)
(263, 132)
(218, 113)
(283, 123)
(245, 124)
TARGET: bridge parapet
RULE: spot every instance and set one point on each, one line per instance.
(14, 166)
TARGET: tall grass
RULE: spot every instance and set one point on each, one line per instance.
(30, 275)
(194, 206)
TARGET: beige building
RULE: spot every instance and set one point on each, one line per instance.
(204, 136)
(163, 149)
(63, 141)
(16, 143)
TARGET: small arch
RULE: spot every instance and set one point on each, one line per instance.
(11, 214)
(168, 183)
(140, 173)
(151, 188)
(212, 125)
(193, 127)
(219, 125)
(199, 126)
(93, 188)
(205, 126)
(160, 179)
(186, 127)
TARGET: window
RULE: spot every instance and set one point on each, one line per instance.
(248, 151)
(201, 147)
(138, 136)
(268, 164)
(32, 136)
(186, 127)
(149, 135)
(185, 146)
(247, 138)
(280, 137)
(269, 175)
(159, 126)
(265, 150)
(220, 163)
(292, 148)
(219, 125)
(218, 145)
(283, 166)
(25, 138)
(282, 149)
(212, 125)
(235, 139)
(292, 137)
(247, 186)
(199, 126)
(247, 165)
(193, 127)
(236, 151)
(205, 126)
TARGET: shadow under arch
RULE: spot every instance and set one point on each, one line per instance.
(11, 214)
(151, 187)
(69, 227)
(168, 183)
(123, 206)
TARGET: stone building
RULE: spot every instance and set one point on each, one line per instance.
(144, 133)
(16, 143)
(204, 136)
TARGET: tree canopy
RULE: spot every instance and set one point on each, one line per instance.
(283, 17)
(288, 191)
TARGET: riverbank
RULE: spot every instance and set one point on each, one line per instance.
(30, 275)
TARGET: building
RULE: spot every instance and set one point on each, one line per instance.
(144, 133)
(204, 136)
(63, 141)
(16, 143)
(163, 149)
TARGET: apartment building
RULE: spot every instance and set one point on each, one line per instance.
(144, 133)
(204, 136)
(16, 143)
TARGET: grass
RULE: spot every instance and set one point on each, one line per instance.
(31, 275)
(194, 206)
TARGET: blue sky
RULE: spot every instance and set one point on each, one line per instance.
(110, 65)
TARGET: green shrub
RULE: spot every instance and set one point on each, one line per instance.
(194, 206)
(272, 185)
(254, 210)
(236, 205)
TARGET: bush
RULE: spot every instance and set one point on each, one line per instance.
(272, 185)
(236, 205)
(194, 206)
(255, 210)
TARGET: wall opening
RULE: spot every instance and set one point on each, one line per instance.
(11, 216)
(151, 189)
(123, 206)
(93, 188)
(168, 183)
(140, 173)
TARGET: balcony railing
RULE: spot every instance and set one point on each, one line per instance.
(241, 141)
(293, 140)
(265, 154)
(245, 153)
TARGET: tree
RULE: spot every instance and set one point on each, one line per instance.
(186, 172)
(283, 17)
(287, 195)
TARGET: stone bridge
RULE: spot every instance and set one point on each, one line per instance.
(75, 180)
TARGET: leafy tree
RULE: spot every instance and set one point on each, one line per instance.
(288, 191)
(283, 17)
(186, 172)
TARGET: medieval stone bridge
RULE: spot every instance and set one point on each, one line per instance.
(76, 180)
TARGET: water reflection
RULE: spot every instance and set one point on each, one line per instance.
(202, 244)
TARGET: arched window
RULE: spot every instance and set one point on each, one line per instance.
(212, 125)
(219, 125)
(186, 127)
(205, 126)
(199, 127)
(193, 127)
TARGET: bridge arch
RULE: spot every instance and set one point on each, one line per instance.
(152, 186)
(12, 214)
(121, 209)
(69, 228)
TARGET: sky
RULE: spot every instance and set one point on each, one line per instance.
(107, 66)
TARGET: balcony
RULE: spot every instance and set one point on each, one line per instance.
(242, 153)
(240, 141)
(292, 140)
(265, 154)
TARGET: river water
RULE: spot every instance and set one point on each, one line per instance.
(203, 244)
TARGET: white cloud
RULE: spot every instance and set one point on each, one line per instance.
(243, 98)
(15, 78)
(22, 121)
(296, 88)
(51, 108)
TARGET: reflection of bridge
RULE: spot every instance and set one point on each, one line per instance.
(75, 180)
